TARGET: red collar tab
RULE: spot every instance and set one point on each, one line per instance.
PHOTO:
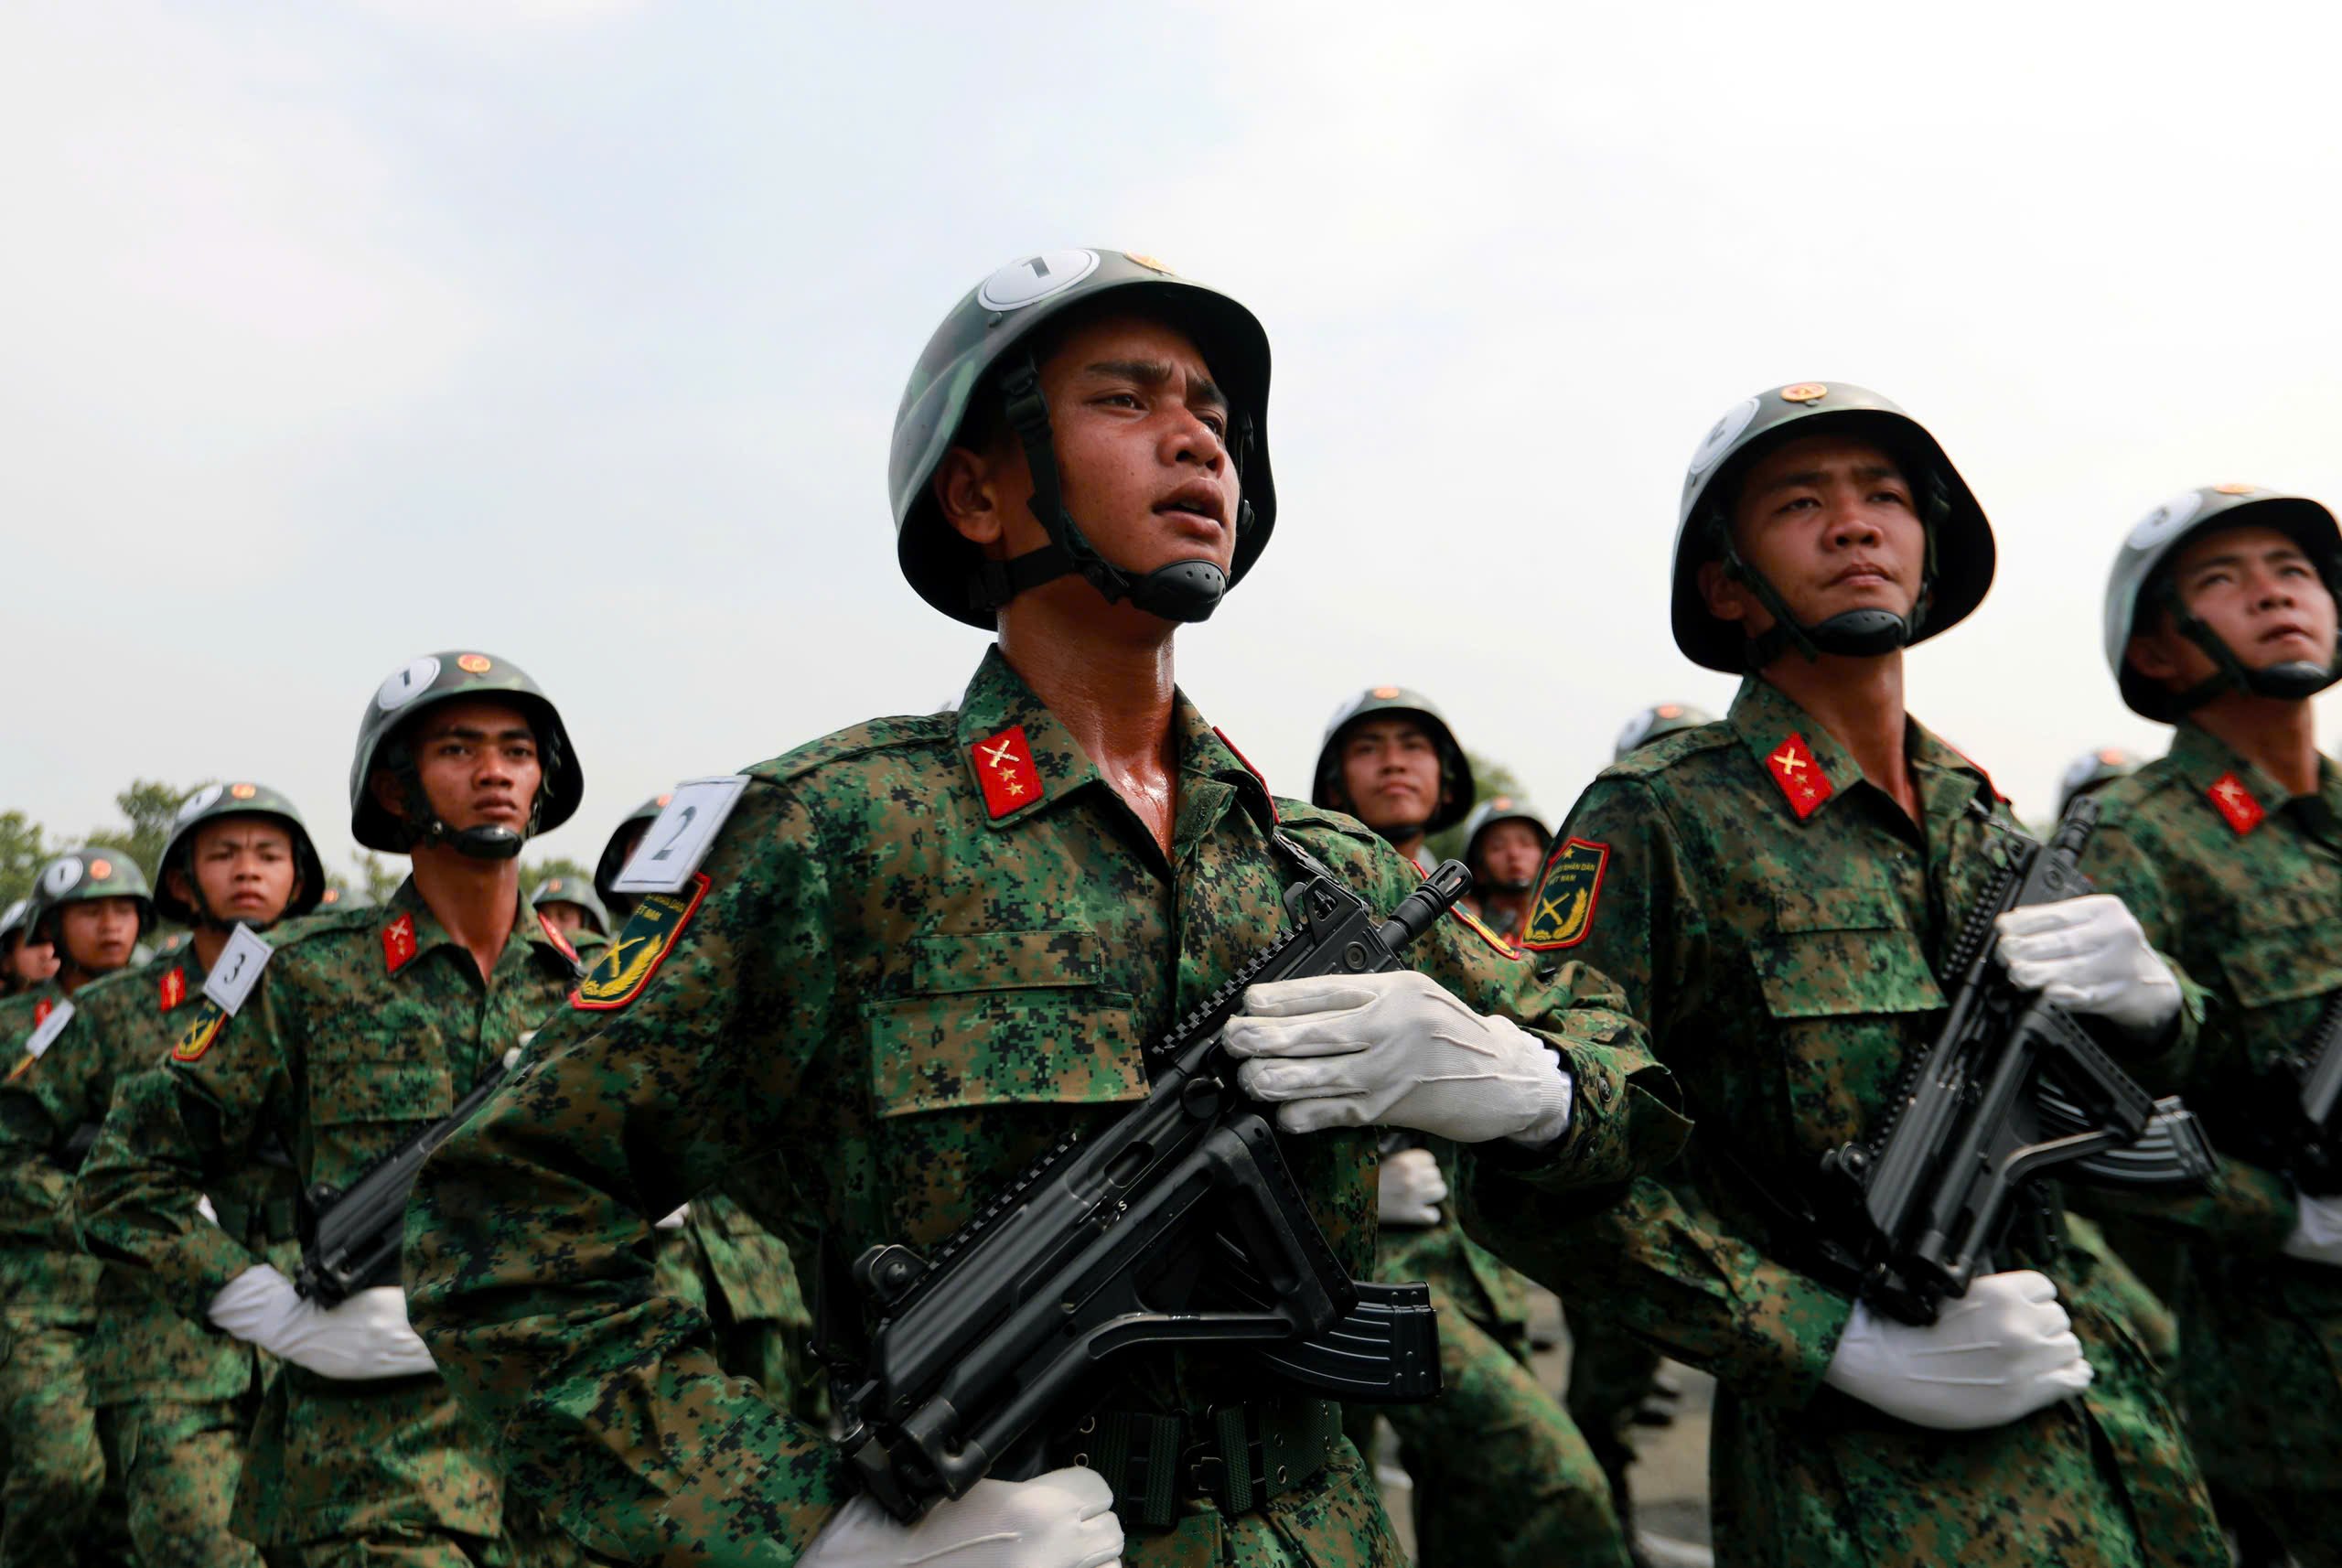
(41, 1010)
(1005, 767)
(173, 991)
(398, 944)
(2234, 801)
(1802, 782)
(553, 935)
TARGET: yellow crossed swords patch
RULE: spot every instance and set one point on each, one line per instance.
(629, 962)
(201, 1031)
(1560, 912)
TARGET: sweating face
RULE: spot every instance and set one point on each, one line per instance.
(246, 870)
(1390, 771)
(98, 934)
(477, 760)
(2258, 593)
(1831, 524)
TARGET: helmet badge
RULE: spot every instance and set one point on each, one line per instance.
(1035, 278)
(2164, 521)
(407, 682)
(475, 663)
(1805, 391)
(60, 878)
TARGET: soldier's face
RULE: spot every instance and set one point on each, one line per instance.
(31, 962)
(2258, 592)
(477, 760)
(1140, 430)
(566, 919)
(98, 934)
(1830, 523)
(1391, 773)
(1510, 853)
(245, 868)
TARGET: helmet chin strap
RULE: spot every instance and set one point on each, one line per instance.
(1183, 591)
(2289, 682)
(473, 843)
(1850, 634)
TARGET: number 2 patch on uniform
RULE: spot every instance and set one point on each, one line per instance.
(1560, 912)
(635, 955)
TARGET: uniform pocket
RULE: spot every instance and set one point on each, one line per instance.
(2269, 963)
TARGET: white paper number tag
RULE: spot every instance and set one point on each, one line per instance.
(51, 1027)
(679, 840)
(232, 978)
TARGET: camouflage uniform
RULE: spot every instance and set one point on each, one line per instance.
(170, 1393)
(921, 949)
(367, 1027)
(2242, 888)
(1775, 918)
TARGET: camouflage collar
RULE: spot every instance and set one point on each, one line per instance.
(1790, 746)
(2203, 759)
(423, 927)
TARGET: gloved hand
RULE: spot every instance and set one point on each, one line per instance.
(203, 1207)
(1396, 1050)
(366, 1336)
(674, 1221)
(1410, 1190)
(2089, 955)
(1062, 1519)
(2317, 1231)
(2001, 1352)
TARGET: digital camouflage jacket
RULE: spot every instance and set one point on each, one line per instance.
(41, 1281)
(1777, 921)
(921, 949)
(366, 1027)
(2243, 887)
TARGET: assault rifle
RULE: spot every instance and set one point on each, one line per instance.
(1178, 1224)
(349, 1240)
(2011, 1089)
(2284, 1117)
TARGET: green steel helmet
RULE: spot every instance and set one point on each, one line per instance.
(80, 876)
(16, 920)
(621, 845)
(2092, 771)
(1455, 785)
(1960, 553)
(986, 348)
(1488, 814)
(339, 896)
(425, 683)
(2138, 586)
(1653, 721)
(572, 890)
(211, 803)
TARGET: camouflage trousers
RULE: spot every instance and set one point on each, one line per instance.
(56, 1470)
(1501, 1474)
(1611, 1376)
(1335, 1520)
(177, 1466)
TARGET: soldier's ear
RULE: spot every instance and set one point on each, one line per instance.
(1725, 598)
(387, 794)
(969, 494)
(2148, 655)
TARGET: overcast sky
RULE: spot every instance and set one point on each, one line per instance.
(572, 332)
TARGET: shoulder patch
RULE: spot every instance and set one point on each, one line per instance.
(231, 980)
(1004, 764)
(2234, 801)
(173, 990)
(640, 946)
(1485, 931)
(1803, 784)
(901, 733)
(680, 836)
(1560, 912)
(202, 1030)
(52, 1024)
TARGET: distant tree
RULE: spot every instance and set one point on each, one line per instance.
(377, 877)
(22, 848)
(149, 807)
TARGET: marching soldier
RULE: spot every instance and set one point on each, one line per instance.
(1656, 723)
(170, 1396)
(1504, 843)
(1500, 1472)
(92, 906)
(916, 952)
(348, 1035)
(572, 908)
(2091, 772)
(2220, 622)
(1777, 891)
(24, 963)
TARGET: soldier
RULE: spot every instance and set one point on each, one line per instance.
(24, 962)
(2091, 772)
(572, 908)
(1776, 890)
(2220, 622)
(170, 1395)
(1500, 1472)
(1656, 722)
(918, 950)
(351, 1033)
(620, 848)
(1504, 843)
(93, 905)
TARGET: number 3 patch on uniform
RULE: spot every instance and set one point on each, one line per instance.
(1560, 912)
(629, 962)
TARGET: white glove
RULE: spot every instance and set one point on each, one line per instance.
(1999, 1353)
(1397, 1050)
(2318, 1232)
(674, 1221)
(1410, 1189)
(365, 1336)
(1062, 1519)
(203, 1207)
(2089, 955)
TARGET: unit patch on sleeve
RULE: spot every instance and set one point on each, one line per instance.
(1560, 912)
(2236, 803)
(201, 1031)
(630, 960)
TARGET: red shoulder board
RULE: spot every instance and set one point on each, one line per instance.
(41, 1010)
(398, 943)
(553, 935)
(173, 991)
(1005, 765)
(2234, 801)
(1802, 782)
(1560, 912)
